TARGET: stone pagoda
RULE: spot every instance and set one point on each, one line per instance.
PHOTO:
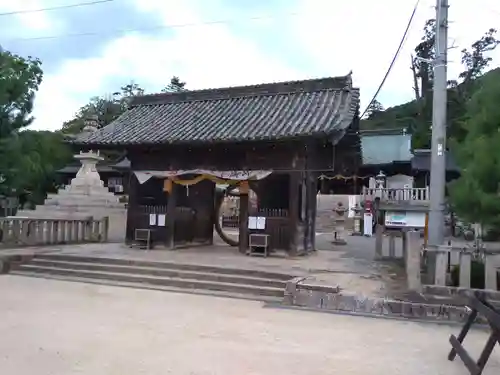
(86, 196)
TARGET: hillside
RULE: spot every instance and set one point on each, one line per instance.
(405, 115)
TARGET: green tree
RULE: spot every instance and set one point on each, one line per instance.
(417, 114)
(175, 85)
(107, 108)
(374, 109)
(475, 196)
(33, 159)
(475, 61)
(19, 80)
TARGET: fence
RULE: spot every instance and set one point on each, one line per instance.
(37, 232)
(277, 225)
(397, 194)
(446, 261)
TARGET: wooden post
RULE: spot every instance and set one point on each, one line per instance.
(293, 211)
(243, 217)
(133, 191)
(413, 261)
(312, 208)
(170, 216)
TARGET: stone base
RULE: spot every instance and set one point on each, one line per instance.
(339, 241)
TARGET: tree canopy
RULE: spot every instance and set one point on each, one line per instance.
(475, 196)
(28, 159)
(175, 85)
(109, 107)
(19, 80)
(416, 115)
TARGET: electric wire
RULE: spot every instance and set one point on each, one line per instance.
(152, 28)
(394, 59)
(49, 9)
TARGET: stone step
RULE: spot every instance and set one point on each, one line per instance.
(158, 271)
(80, 201)
(141, 279)
(164, 288)
(166, 265)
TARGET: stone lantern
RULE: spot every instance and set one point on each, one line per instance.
(381, 180)
(357, 220)
(339, 222)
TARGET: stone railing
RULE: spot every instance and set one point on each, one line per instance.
(19, 231)
(397, 194)
(447, 256)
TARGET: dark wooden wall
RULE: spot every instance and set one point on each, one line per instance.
(287, 197)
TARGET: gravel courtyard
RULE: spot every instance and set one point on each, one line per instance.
(63, 328)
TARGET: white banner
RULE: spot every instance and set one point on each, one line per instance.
(143, 176)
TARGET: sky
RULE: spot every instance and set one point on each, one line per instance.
(220, 43)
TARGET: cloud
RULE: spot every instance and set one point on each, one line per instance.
(204, 56)
(28, 23)
(325, 38)
(363, 35)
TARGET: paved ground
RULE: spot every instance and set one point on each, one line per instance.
(61, 328)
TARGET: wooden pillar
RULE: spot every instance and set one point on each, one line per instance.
(293, 211)
(133, 203)
(243, 217)
(170, 215)
(310, 222)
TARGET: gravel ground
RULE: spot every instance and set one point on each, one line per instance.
(52, 327)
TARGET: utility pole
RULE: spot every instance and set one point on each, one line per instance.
(438, 151)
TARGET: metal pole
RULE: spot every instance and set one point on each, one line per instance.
(438, 156)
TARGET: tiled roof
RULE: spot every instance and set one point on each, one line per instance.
(421, 161)
(385, 148)
(318, 107)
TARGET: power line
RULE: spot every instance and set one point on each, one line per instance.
(396, 55)
(49, 9)
(150, 28)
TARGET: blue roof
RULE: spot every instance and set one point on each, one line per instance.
(385, 148)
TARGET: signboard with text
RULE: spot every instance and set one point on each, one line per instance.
(405, 219)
